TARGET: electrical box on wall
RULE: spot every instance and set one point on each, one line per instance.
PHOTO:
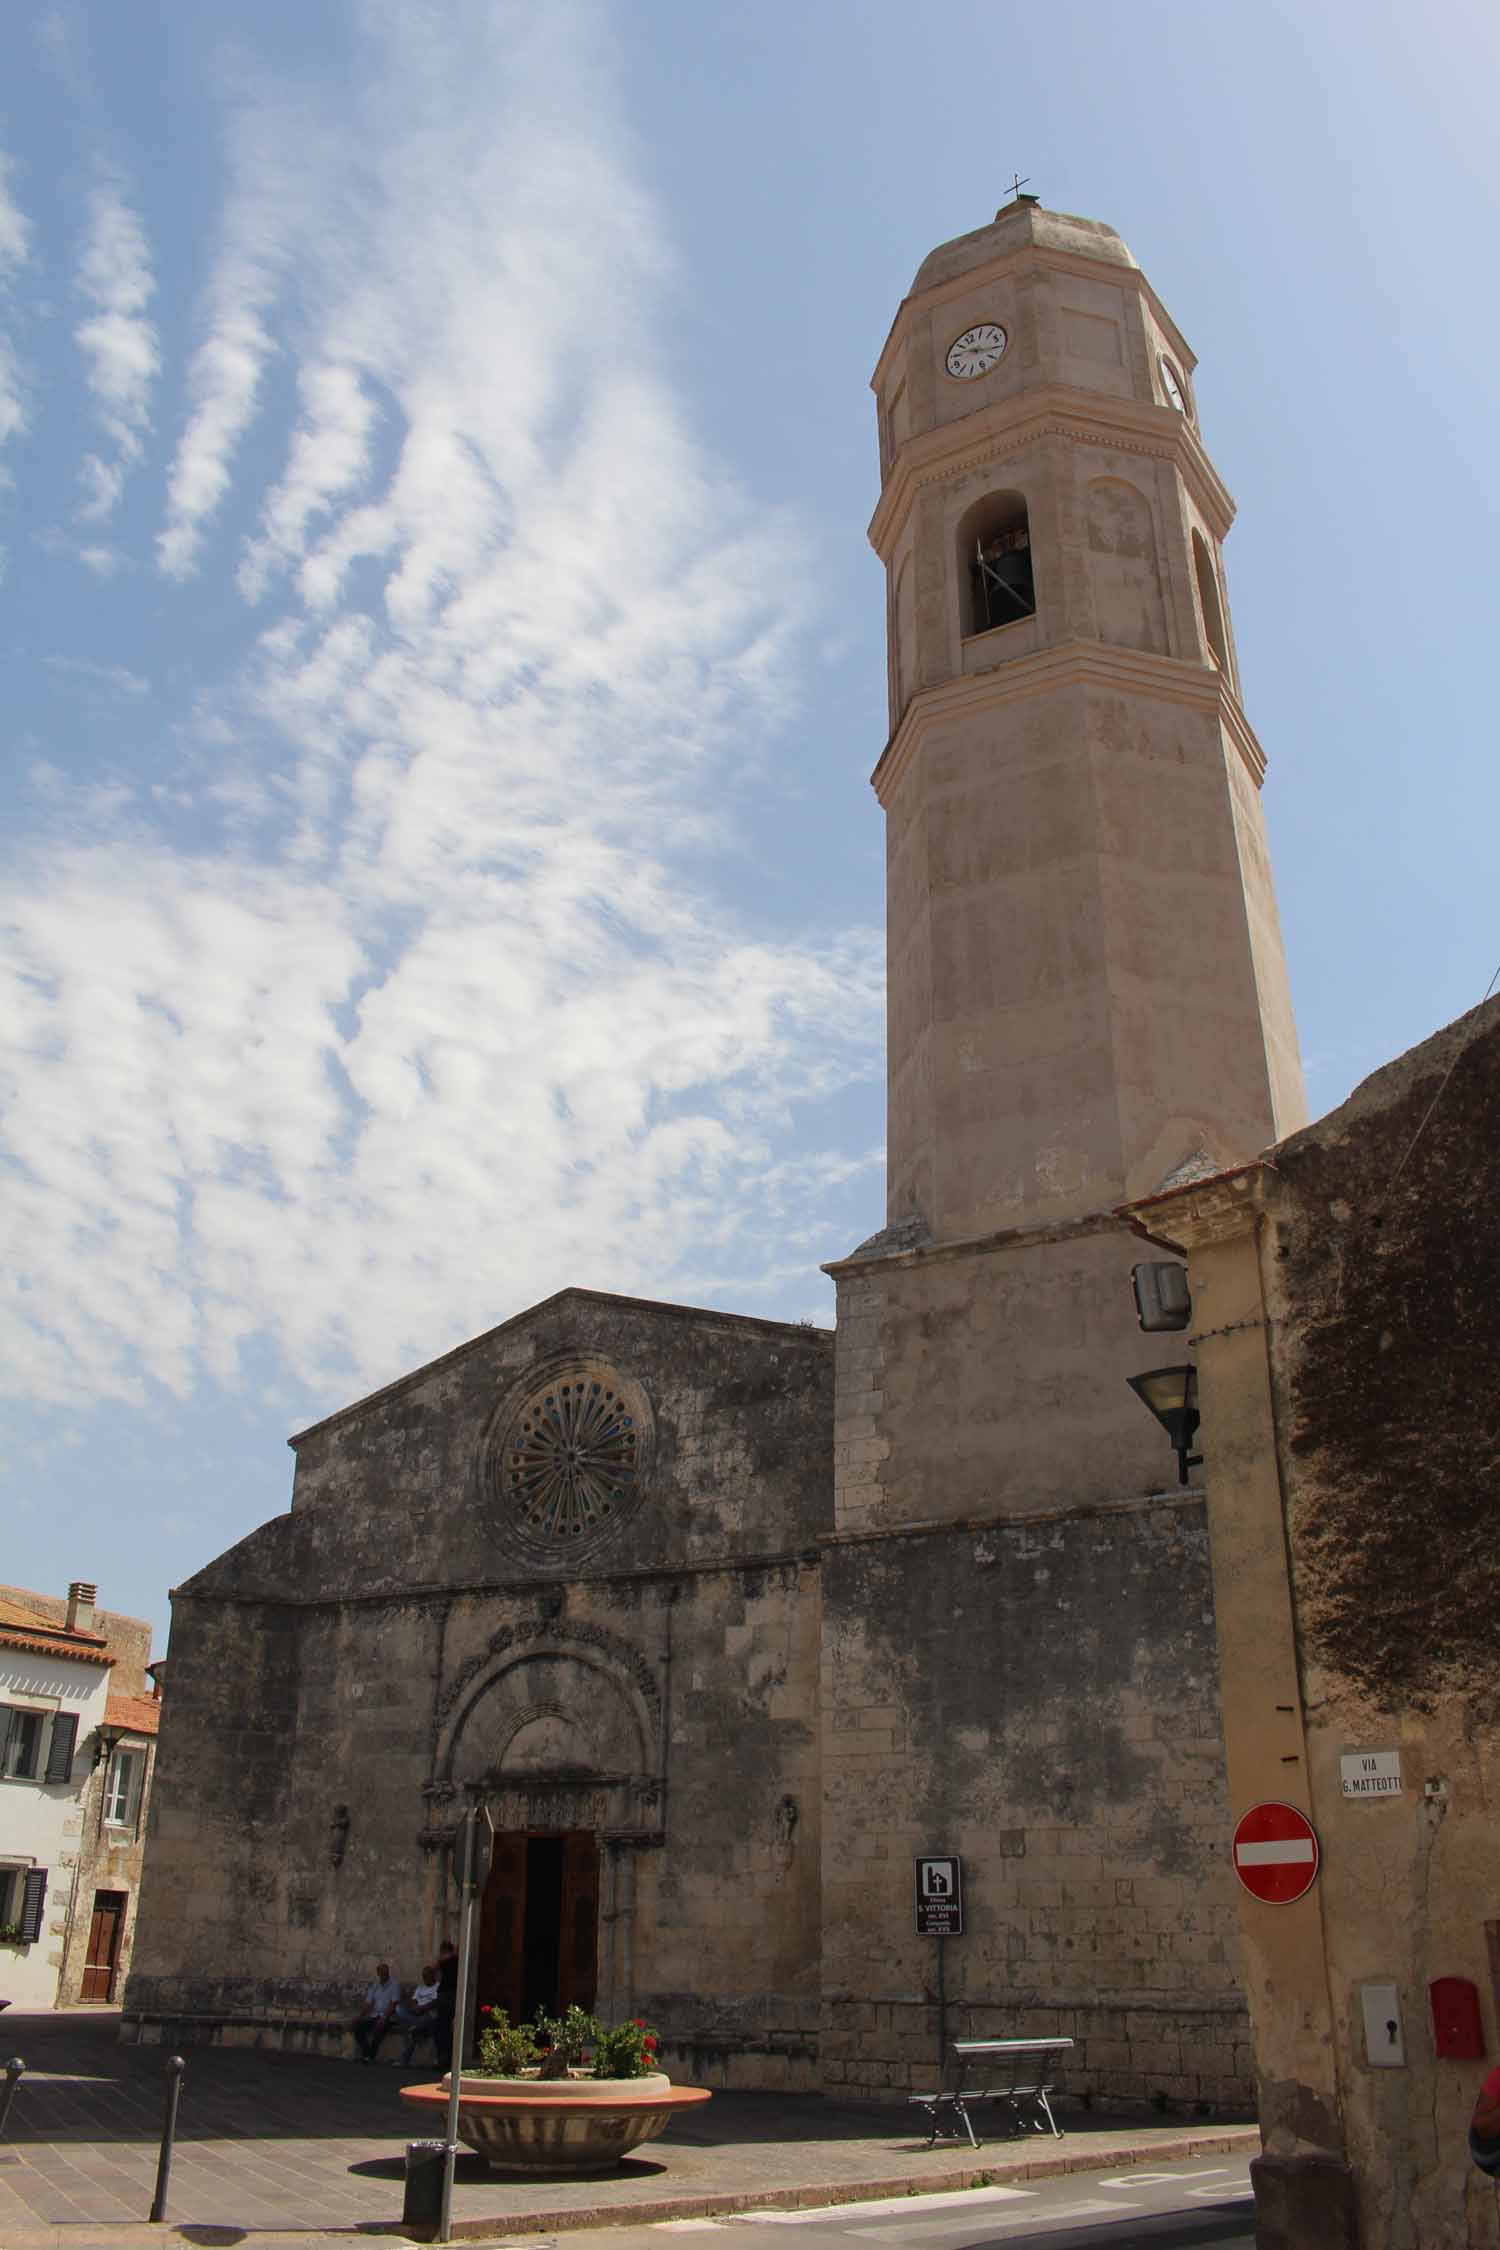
(1385, 2048)
(1457, 2028)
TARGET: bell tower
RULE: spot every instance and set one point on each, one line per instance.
(1086, 983)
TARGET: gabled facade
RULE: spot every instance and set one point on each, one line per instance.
(77, 1734)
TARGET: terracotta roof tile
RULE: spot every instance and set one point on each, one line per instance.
(74, 1646)
(140, 1714)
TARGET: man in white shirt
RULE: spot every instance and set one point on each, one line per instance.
(381, 2001)
(418, 2015)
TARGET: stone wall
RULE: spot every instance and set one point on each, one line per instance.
(1039, 1697)
(341, 1675)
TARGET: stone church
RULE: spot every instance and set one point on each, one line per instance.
(725, 1621)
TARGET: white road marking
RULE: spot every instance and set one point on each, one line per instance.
(1159, 2179)
(687, 2226)
(942, 2230)
(911, 2205)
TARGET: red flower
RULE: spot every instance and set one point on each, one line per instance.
(639, 2022)
(485, 2008)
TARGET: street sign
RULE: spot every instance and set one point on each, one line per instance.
(1371, 1773)
(1276, 1853)
(940, 1896)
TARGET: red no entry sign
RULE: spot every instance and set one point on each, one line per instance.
(1276, 1853)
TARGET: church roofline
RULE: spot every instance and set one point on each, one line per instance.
(703, 1315)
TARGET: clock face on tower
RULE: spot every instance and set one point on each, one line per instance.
(976, 351)
(1172, 385)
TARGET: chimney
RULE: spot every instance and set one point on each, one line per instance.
(81, 1599)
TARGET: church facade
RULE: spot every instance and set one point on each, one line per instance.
(726, 1621)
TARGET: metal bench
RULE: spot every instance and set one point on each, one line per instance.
(1022, 2073)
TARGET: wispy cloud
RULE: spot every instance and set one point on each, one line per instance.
(118, 342)
(451, 1006)
(15, 243)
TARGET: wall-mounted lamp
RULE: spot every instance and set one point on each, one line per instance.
(1172, 1395)
(105, 1741)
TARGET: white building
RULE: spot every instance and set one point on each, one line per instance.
(76, 1741)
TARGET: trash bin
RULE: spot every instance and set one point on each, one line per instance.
(422, 2204)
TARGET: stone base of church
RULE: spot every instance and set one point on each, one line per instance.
(1179, 2058)
(295, 2035)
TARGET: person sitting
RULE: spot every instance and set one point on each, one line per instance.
(416, 2018)
(382, 1998)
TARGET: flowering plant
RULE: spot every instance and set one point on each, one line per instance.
(628, 2051)
(512, 2050)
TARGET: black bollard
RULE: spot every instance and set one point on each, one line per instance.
(175, 2068)
(13, 2070)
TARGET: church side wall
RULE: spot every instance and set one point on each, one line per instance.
(1040, 1698)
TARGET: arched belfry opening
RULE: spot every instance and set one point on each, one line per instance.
(996, 585)
(1208, 597)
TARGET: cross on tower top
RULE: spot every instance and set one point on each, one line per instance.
(1017, 183)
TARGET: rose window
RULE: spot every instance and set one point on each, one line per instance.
(572, 1459)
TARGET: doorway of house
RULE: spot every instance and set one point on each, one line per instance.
(539, 1923)
(103, 1957)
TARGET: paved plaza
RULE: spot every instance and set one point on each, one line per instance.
(277, 2145)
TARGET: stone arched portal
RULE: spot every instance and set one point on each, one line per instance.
(560, 1738)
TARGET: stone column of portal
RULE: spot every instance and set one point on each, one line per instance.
(609, 1852)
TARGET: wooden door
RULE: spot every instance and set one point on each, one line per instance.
(502, 1926)
(102, 1959)
(578, 1932)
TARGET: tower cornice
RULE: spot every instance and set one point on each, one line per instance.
(1123, 425)
(1026, 257)
(1096, 664)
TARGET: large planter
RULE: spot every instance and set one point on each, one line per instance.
(579, 2127)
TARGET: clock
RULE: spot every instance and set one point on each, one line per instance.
(1172, 384)
(976, 351)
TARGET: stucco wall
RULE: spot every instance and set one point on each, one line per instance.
(1383, 1282)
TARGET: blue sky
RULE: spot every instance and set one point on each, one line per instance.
(441, 660)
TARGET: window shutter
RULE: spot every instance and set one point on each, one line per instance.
(60, 1748)
(32, 1903)
(7, 1729)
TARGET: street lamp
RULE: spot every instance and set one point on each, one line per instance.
(1172, 1395)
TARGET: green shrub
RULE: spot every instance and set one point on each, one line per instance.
(629, 2051)
(505, 2048)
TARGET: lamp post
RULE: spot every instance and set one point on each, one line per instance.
(1172, 1395)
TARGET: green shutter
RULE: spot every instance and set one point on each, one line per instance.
(60, 1748)
(32, 1903)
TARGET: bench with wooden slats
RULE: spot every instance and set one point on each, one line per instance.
(1021, 2074)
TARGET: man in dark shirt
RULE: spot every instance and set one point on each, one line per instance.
(446, 2005)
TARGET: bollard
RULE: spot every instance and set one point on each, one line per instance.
(422, 2202)
(13, 2070)
(175, 2068)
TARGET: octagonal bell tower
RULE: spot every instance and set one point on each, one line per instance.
(1086, 982)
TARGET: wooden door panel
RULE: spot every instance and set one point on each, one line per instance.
(578, 1937)
(104, 1946)
(502, 1923)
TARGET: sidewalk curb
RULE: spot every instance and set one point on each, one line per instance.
(1005, 2163)
(984, 2171)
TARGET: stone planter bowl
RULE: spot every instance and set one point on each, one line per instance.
(579, 2127)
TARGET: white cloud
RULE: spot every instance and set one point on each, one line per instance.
(15, 242)
(439, 1019)
(118, 342)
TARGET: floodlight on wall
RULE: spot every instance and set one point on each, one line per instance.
(1172, 1395)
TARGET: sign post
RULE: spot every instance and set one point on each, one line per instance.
(1276, 1853)
(940, 1915)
